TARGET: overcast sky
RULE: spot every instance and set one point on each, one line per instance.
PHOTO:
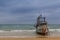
(26, 11)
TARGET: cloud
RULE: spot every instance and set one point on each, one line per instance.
(26, 11)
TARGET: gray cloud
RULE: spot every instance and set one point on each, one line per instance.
(26, 11)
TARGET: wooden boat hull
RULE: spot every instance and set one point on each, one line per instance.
(42, 33)
(40, 30)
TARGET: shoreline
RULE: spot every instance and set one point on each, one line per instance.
(28, 36)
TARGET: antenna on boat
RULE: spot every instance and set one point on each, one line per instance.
(41, 14)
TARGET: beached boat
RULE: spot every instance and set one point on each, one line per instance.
(41, 25)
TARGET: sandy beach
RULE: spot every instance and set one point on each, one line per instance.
(43, 38)
(28, 35)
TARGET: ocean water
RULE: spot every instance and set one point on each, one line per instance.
(25, 26)
(16, 27)
(21, 27)
(26, 30)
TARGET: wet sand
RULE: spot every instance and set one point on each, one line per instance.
(43, 38)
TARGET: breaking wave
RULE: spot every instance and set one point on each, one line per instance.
(27, 30)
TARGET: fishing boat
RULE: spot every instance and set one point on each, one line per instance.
(41, 25)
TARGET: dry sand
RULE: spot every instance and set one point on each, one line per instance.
(42, 38)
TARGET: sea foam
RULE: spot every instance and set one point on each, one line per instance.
(27, 30)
